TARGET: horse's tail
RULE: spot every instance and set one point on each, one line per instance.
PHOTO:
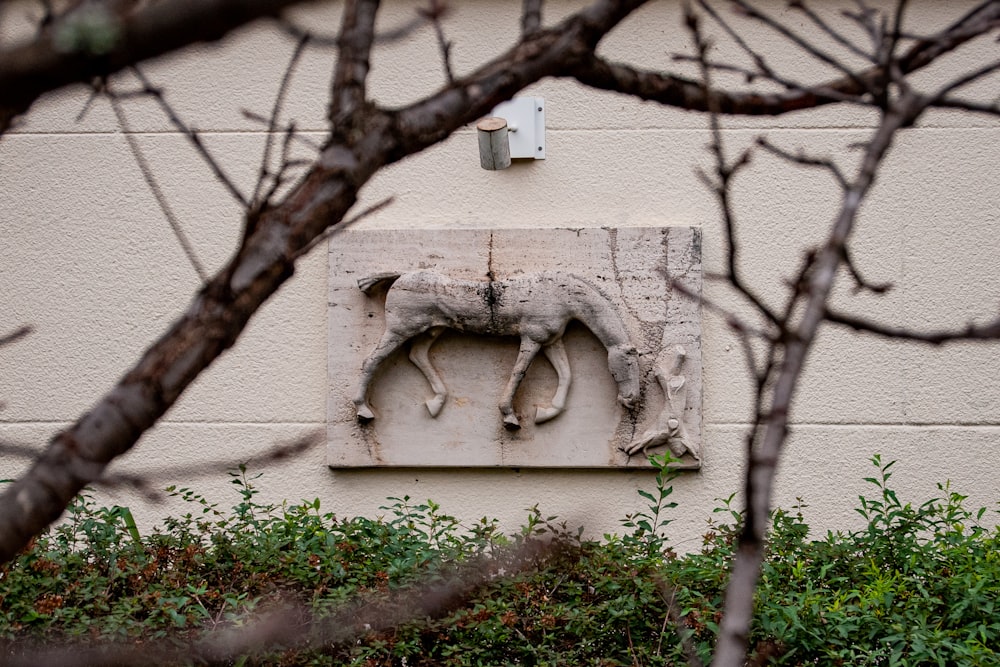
(369, 284)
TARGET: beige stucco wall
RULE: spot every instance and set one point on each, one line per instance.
(87, 259)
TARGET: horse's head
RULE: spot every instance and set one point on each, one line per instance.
(623, 361)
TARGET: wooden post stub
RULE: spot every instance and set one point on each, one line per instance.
(494, 147)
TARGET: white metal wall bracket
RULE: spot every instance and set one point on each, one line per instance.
(515, 130)
(525, 118)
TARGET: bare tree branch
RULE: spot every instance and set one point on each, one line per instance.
(970, 77)
(734, 631)
(363, 140)
(349, 78)
(154, 187)
(973, 332)
(290, 136)
(144, 482)
(733, 321)
(285, 165)
(28, 71)
(672, 90)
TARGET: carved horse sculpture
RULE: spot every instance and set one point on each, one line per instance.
(536, 307)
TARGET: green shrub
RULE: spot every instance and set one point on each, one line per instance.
(915, 586)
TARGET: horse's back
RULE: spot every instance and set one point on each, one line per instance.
(538, 302)
(436, 300)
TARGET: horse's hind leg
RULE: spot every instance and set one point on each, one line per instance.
(420, 358)
(525, 355)
(386, 346)
(556, 354)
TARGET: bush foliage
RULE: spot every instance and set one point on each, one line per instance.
(918, 585)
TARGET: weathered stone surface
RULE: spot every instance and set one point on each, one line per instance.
(631, 269)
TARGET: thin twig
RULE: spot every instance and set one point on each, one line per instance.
(297, 32)
(434, 12)
(865, 18)
(15, 335)
(965, 80)
(860, 282)
(836, 35)
(801, 158)
(19, 451)
(674, 614)
(144, 482)
(298, 138)
(95, 92)
(725, 172)
(531, 17)
(279, 99)
(733, 320)
(154, 187)
(285, 163)
(967, 105)
(192, 136)
(806, 45)
(331, 231)
(765, 70)
(972, 332)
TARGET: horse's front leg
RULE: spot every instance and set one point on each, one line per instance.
(386, 346)
(556, 354)
(525, 355)
(419, 355)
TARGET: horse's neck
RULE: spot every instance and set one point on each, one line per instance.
(599, 314)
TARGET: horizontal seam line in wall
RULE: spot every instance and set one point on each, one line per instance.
(56, 422)
(158, 133)
(874, 425)
(793, 425)
(468, 130)
(753, 128)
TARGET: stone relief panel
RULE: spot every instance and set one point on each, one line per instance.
(514, 347)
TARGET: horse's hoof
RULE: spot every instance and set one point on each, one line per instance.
(543, 415)
(679, 447)
(435, 404)
(510, 423)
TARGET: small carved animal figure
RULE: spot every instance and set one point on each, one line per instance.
(669, 426)
(535, 307)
